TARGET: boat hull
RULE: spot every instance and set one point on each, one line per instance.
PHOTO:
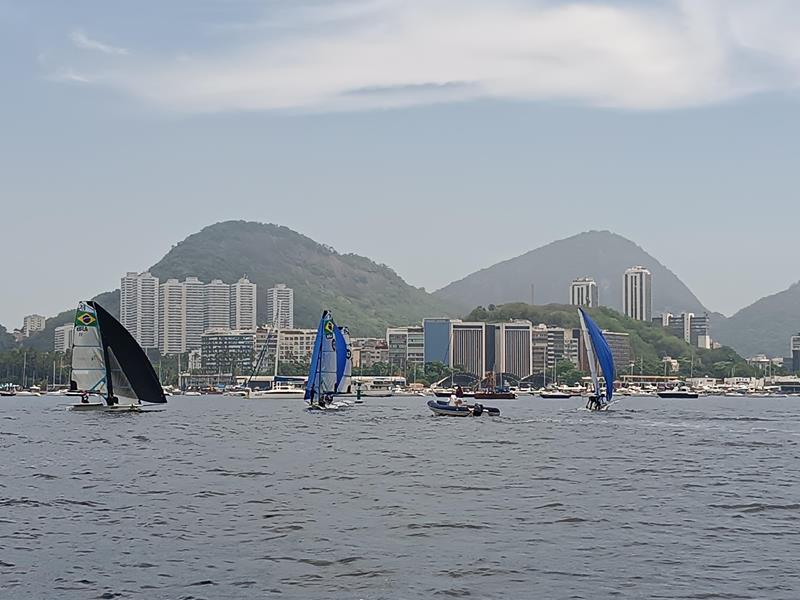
(444, 409)
(495, 396)
(101, 407)
(679, 395)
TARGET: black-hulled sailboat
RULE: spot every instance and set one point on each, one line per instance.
(109, 368)
(598, 351)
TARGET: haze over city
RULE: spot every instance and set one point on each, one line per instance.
(138, 125)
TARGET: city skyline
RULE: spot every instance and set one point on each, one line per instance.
(579, 153)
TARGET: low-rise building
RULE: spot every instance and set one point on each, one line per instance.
(367, 352)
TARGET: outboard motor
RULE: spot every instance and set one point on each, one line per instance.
(477, 410)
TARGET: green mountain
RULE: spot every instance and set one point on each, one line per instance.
(601, 255)
(649, 343)
(765, 326)
(362, 294)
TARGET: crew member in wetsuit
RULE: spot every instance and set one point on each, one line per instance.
(112, 400)
(84, 398)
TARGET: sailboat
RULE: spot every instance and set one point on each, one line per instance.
(109, 364)
(328, 365)
(598, 351)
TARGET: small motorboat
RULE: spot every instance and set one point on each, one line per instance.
(554, 395)
(442, 408)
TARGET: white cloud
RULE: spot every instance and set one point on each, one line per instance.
(70, 76)
(84, 42)
(373, 54)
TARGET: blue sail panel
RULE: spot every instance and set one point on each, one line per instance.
(341, 356)
(603, 353)
(313, 371)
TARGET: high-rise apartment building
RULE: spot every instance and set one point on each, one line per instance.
(795, 348)
(515, 348)
(33, 324)
(583, 292)
(693, 329)
(171, 322)
(181, 315)
(62, 338)
(194, 304)
(280, 306)
(460, 345)
(637, 295)
(217, 313)
(406, 347)
(138, 307)
(243, 305)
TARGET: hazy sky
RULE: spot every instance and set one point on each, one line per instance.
(437, 136)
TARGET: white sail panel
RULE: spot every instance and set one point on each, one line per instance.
(587, 341)
(120, 385)
(88, 361)
(327, 358)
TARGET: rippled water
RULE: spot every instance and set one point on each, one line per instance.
(230, 498)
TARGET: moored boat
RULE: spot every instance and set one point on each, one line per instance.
(679, 393)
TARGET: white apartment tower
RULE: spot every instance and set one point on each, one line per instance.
(62, 338)
(32, 324)
(182, 315)
(583, 292)
(138, 307)
(243, 305)
(280, 306)
(637, 295)
(194, 305)
(217, 305)
(171, 317)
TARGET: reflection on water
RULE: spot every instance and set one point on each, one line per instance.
(221, 497)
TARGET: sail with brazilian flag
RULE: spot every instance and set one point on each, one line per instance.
(108, 362)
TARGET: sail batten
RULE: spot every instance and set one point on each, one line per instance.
(598, 346)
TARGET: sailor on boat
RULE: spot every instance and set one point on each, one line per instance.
(594, 403)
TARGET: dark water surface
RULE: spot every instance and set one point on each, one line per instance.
(231, 498)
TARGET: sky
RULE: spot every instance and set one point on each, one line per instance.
(436, 136)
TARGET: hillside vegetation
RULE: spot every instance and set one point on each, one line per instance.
(366, 296)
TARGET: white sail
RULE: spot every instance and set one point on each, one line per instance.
(587, 341)
(88, 361)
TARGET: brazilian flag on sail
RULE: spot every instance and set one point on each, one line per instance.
(85, 319)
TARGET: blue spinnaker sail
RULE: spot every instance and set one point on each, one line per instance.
(603, 354)
(342, 356)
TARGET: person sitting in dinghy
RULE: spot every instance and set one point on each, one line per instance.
(455, 400)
